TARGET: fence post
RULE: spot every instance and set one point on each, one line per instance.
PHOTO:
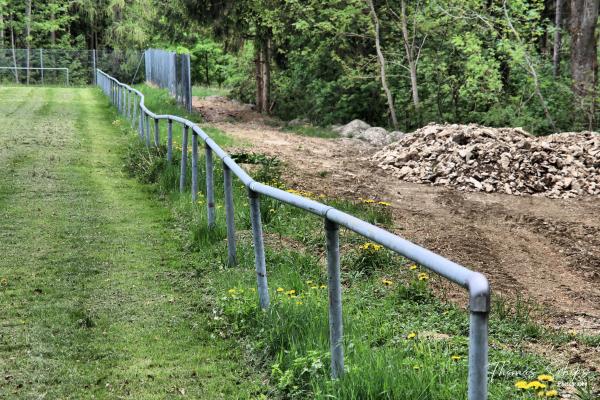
(156, 133)
(134, 106)
(170, 140)
(229, 216)
(94, 65)
(42, 64)
(259, 250)
(479, 308)
(194, 167)
(140, 124)
(478, 355)
(210, 188)
(184, 143)
(147, 118)
(336, 326)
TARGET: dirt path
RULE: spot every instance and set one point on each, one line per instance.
(541, 249)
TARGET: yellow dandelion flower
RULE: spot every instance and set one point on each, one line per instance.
(290, 292)
(271, 210)
(456, 358)
(314, 287)
(423, 276)
(299, 302)
(536, 385)
(416, 367)
(412, 267)
(521, 384)
(384, 203)
(231, 291)
(309, 282)
(279, 289)
(369, 201)
(323, 286)
(387, 282)
(551, 393)
(411, 335)
(545, 378)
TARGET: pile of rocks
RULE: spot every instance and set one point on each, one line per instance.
(358, 129)
(508, 160)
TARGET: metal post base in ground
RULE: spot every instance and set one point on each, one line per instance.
(259, 250)
(229, 216)
(183, 173)
(336, 327)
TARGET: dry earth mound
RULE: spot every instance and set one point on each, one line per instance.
(508, 160)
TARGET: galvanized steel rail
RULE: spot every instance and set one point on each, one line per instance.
(130, 103)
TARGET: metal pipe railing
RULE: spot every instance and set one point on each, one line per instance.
(474, 282)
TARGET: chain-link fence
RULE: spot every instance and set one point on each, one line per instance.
(171, 71)
(70, 67)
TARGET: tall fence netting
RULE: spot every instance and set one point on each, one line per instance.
(170, 71)
(70, 67)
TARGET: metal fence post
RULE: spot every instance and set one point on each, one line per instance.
(42, 64)
(479, 309)
(170, 140)
(259, 250)
(156, 133)
(94, 65)
(478, 355)
(141, 121)
(194, 167)
(210, 188)
(135, 107)
(336, 325)
(147, 118)
(229, 216)
(184, 143)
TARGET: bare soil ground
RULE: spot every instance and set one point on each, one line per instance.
(534, 248)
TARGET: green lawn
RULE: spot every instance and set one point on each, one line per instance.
(98, 299)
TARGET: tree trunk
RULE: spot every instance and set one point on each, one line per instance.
(557, 39)
(258, 74)
(584, 67)
(2, 30)
(381, 59)
(410, 56)
(14, 52)
(266, 76)
(206, 70)
(27, 36)
(52, 32)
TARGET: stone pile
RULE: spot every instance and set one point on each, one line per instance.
(375, 136)
(506, 160)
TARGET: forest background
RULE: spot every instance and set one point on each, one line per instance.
(394, 63)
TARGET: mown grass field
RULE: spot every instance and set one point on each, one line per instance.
(97, 297)
(116, 288)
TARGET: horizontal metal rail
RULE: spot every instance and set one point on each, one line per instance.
(126, 98)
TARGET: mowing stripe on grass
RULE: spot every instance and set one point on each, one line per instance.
(96, 295)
